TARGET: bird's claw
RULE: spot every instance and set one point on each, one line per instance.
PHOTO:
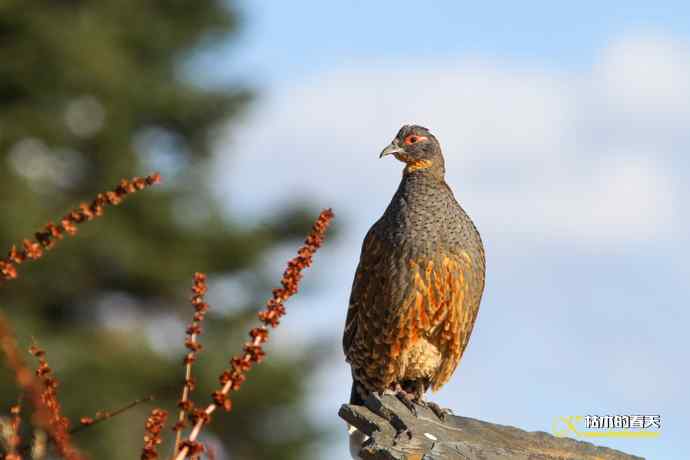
(439, 411)
(399, 433)
(405, 398)
(376, 406)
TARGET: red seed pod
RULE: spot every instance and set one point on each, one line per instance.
(86, 421)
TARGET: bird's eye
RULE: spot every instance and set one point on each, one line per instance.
(411, 139)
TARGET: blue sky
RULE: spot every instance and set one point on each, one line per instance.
(287, 40)
(565, 134)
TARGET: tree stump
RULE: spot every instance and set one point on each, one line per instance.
(426, 437)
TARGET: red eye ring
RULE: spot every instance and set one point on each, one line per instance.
(413, 139)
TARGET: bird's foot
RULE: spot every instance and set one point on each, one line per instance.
(405, 397)
(375, 404)
(439, 411)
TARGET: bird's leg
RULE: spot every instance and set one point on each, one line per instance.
(420, 387)
(406, 398)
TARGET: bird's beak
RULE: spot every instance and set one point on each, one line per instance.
(393, 148)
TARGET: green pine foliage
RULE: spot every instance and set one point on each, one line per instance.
(91, 92)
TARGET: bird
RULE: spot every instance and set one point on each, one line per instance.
(418, 285)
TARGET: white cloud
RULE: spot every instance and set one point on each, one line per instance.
(531, 152)
(646, 76)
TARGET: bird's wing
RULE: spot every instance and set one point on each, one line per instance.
(441, 308)
(362, 286)
(380, 286)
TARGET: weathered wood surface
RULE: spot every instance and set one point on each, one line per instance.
(431, 438)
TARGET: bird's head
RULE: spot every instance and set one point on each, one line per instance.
(416, 147)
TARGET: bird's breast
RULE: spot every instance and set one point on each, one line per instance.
(415, 225)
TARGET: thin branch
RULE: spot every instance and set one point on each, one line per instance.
(88, 422)
(46, 239)
(253, 352)
(193, 331)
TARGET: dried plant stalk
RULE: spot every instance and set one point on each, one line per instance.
(15, 440)
(47, 409)
(152, 438)
(51, 418)
(39, 445)
(232, 379)
(46, 239)
(86, 422)
(22, 374)
(193, 331)
(25, 379)
(9, 432)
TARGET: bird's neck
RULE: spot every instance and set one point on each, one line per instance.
(418, 183)
(417, 165)
(424, 168)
